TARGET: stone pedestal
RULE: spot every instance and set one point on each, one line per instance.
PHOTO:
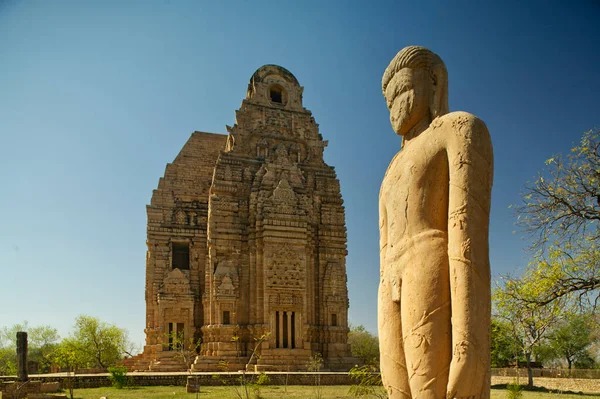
(193, 385)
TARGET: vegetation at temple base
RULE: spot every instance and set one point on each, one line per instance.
(367, 382)
(314, 365)
(185, 350)
(118, 376)
(99, 344)
(364, 345)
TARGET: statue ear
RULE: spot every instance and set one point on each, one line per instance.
(439, 84)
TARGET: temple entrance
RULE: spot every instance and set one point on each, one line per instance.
(285, 329)
(176, 336)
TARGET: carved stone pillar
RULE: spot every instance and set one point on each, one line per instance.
(280, 332)
(22, 356)
(289, 329)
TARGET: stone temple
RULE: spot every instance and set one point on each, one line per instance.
(246, 237)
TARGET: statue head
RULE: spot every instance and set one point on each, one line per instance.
(415, 86)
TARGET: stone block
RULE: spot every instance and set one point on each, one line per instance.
(193, 385)
(47, 387)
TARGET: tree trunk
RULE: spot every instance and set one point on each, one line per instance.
(529, 370)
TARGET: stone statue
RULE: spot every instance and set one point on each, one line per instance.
(434, 204)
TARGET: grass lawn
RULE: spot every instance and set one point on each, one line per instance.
(268, 392)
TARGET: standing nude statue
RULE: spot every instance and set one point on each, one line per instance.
(434, 204)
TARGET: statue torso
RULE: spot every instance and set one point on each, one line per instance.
(415, 192)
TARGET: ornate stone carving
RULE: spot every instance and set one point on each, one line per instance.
(334, 282)
(180, 217)
(285, 267)
(284, 194)
(175, 283)
(226, 288)
(285, 299)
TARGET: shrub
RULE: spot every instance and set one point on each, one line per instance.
(118, 376)
(515, 391)
(263, 379)
(368, 382)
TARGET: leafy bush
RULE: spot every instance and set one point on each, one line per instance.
(364, 345)
(314, 366)
(118, 376)
(368, 382)
(263, 379)
(515, 391)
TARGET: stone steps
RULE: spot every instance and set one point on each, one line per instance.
(136, 363)
(221, 363)
(168, 363)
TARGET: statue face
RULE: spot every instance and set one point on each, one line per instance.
(408, 96)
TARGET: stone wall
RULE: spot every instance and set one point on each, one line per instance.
(178, 214)
(551, 373)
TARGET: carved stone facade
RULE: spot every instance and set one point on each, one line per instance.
(247, 236)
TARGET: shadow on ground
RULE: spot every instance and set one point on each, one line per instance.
(545, 390)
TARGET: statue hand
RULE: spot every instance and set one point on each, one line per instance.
(466, 372)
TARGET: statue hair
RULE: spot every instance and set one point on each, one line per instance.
(415, 58)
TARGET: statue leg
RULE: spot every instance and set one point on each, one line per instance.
(391, 348)
(425, 309)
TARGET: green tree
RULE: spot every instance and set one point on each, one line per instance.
(364, 345)
(8, 361)
(8, 347)
(42, 341)
(99, 344)
(69, 355)
(504, 347)
(572, 338)
(561, 211)
(529, 321)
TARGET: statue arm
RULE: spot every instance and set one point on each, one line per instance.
(471, 169)
(383, 238)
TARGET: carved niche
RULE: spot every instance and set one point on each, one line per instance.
(176, 283)
(334, 283)
(226, 279)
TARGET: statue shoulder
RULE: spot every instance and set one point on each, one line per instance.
(466, 130)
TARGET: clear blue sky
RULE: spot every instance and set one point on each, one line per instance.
(96, 98)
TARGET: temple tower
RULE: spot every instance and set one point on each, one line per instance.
(247, 238)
